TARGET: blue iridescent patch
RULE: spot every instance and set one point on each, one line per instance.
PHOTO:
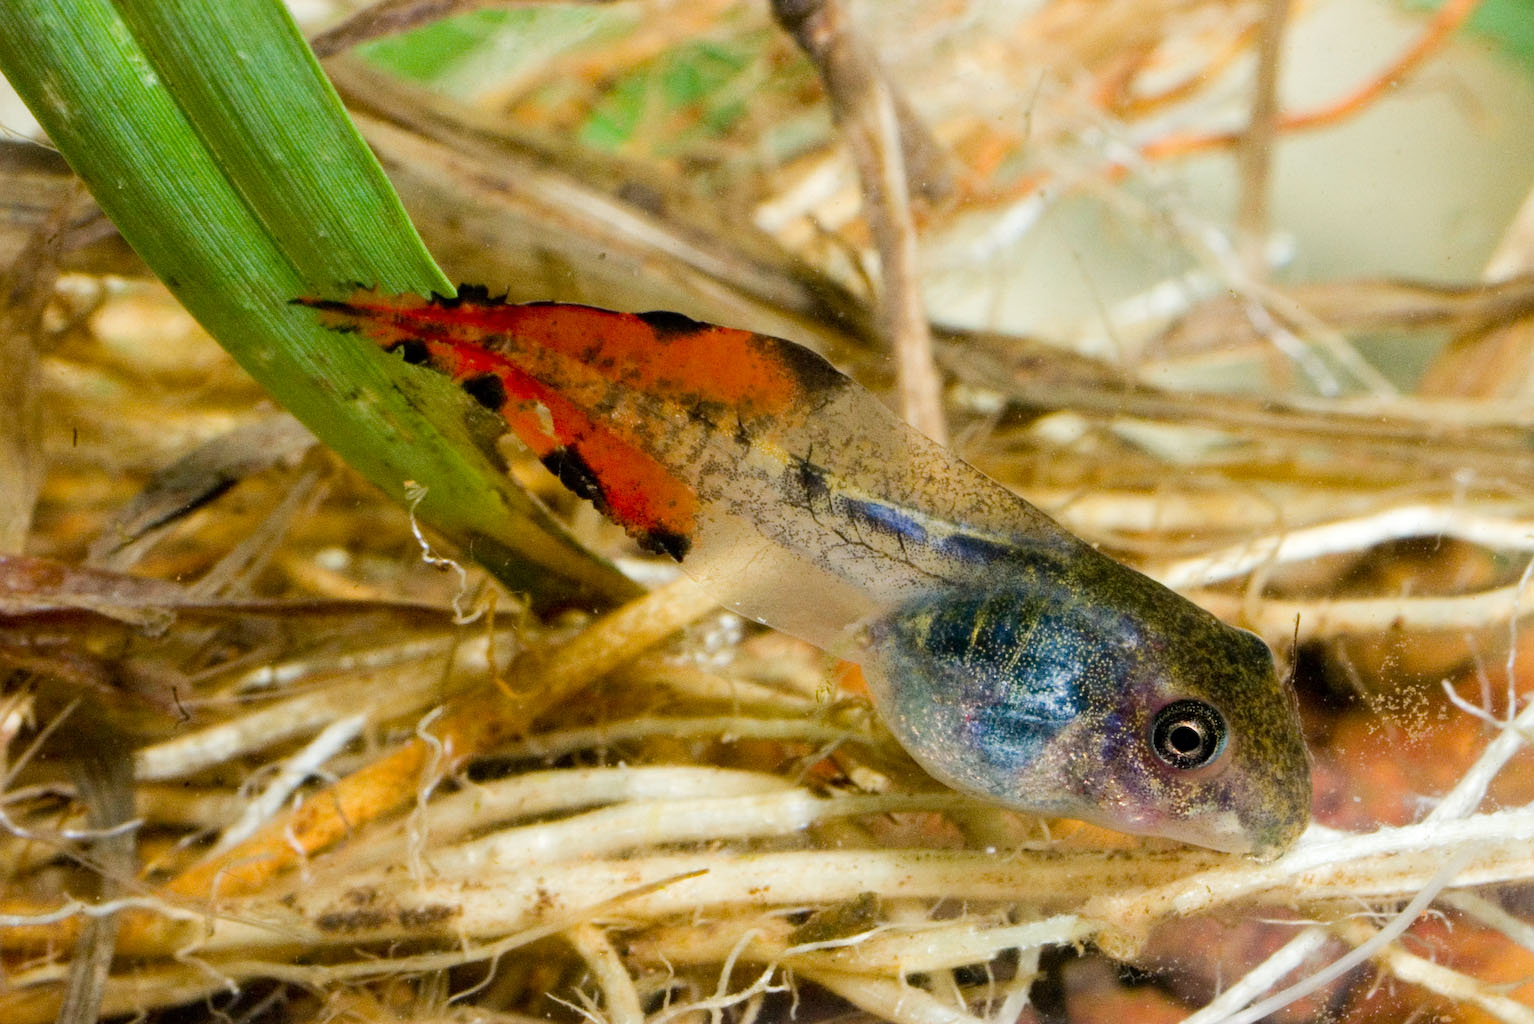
(1013, 668)
(885, 518)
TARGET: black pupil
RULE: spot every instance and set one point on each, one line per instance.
(1185, 739)
(1188, 734)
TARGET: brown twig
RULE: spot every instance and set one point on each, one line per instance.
(864, 105)
(1390, 439)
(1495, 363)
(1254, 155)
(467, 726)
(25, 288)
(1356, 306)
(1117, 93)
(1440, 29)
(470, 724)
(605, 245)
(34, 181)
(104, 777)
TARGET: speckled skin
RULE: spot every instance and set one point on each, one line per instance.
(1040, 692)
(1011, 659)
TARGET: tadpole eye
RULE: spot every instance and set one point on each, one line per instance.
(1188, 734)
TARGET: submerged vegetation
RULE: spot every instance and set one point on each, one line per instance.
(281, 746)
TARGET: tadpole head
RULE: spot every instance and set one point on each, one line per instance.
(1097, 694)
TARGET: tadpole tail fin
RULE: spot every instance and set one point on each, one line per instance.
(768, 474)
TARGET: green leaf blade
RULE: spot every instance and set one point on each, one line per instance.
(235, 251)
